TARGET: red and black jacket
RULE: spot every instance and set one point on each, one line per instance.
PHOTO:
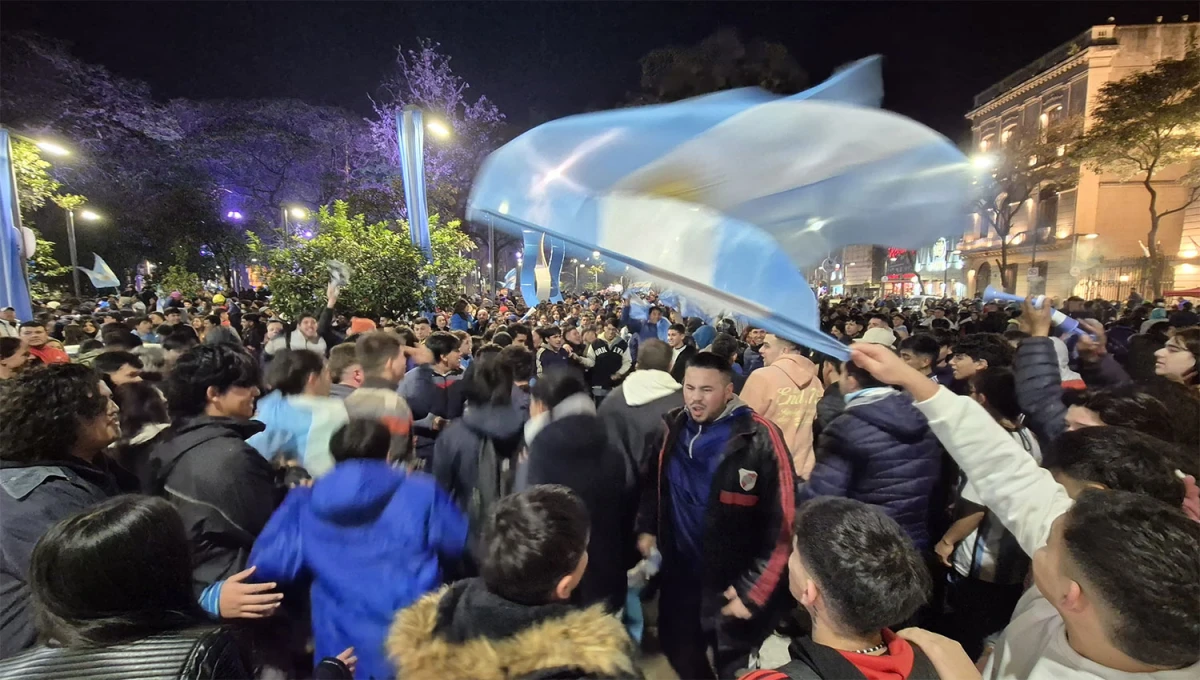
(748, 524)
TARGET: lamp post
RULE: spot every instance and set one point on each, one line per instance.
(296, 212)
(84, 215)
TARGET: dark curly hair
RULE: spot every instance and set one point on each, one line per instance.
(41, 410)
(221, 366)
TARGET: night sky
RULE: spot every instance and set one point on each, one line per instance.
(545, 60)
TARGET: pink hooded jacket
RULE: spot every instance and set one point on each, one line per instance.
(786, 393)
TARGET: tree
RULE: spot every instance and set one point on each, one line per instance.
(423, 77)
(719, 62)
(35, 187)
(389, 272)
(262, 154)
(1023, 165)
(186, 223)
(43, 267)
(178, 278)
(1144, 124)
(34, 183)
(450, 266)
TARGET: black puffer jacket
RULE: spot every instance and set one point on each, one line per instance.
(1039, 388)
(224, 490)
(201, 654)
(577, 452)
(881, 451)
(33, 497)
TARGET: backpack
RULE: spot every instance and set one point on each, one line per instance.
(832, 665)
(494, 480)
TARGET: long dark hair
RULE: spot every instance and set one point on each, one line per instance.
(290, 370)
(141, 405)
(117, 572)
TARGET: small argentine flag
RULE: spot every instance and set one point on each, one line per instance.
(101, 274)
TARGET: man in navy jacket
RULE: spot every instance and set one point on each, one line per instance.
(879, 450)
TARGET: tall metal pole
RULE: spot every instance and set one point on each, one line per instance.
(283, 225)
(74, 255)
(1033, 264)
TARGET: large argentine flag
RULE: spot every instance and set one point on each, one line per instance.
(725, 196)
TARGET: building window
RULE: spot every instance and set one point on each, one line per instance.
(1007, 134)
(986, 143)
(1047, 210)
(1053, 115)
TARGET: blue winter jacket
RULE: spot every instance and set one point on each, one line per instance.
(461, 323)
(371, 539)
(880, 450)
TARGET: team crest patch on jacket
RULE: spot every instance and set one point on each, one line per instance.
(747, 479)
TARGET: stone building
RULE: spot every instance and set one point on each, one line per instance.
(1085, 240)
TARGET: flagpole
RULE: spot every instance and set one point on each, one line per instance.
(71, 245)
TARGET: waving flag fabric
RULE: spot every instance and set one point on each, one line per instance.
(14, 291)
(724, 197)
(101, 274)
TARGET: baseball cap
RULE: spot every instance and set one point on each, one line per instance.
(878, 336)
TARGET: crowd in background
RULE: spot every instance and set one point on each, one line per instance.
(193, 486)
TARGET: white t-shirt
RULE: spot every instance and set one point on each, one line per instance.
(1034, 647)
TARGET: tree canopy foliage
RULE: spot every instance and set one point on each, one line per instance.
(1016, 171)
(722, 61)
(167, 174)
(389, 271)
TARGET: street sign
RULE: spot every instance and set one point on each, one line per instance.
(1033, 274)
(1076, 272)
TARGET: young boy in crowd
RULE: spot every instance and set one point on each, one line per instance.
(857, 573)
(515, 620)
(353, 535)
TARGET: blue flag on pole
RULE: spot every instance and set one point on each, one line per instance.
(725, 196)
(14, 291)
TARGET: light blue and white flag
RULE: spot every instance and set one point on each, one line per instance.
(725, 197)
(101, 274)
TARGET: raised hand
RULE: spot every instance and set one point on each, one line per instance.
(1035, 320)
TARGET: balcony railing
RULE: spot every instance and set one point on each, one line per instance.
(1041, 65)
(1045, 237)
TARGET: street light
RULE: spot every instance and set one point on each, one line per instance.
(90, 216)
(297, 212)
(53, 149)
(438, 129)
(983, 161)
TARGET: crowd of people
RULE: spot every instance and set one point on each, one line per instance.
(196, 487)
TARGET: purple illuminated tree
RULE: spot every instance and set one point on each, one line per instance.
(264, 154)
(424, 77)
